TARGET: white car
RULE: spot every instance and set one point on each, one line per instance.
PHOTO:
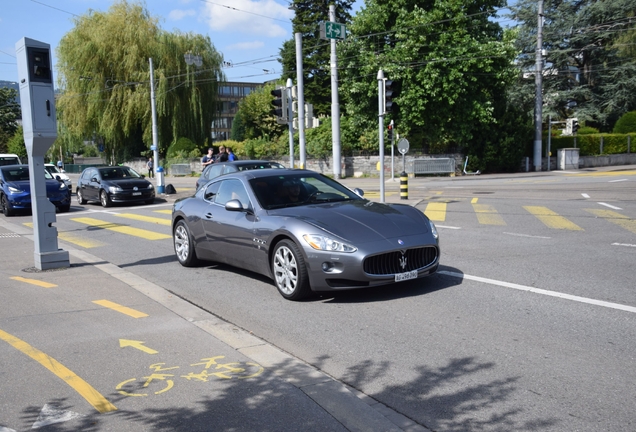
(55, 172)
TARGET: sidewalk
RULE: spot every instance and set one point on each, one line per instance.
(317, 399)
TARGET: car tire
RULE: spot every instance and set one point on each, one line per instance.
(150, 201)
(80, 197)
(184, 245)
(289, 271)
(105, 199)
(65, 208)
(6, 207)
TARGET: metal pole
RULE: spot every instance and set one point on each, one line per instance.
(155, 139)
(381, 129)
(335, 106)
(538, 75)
(301, 99)
(392, 153)
(549, 139)
(290, 121)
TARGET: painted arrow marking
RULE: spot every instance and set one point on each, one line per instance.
(49, 415)
(123, 343)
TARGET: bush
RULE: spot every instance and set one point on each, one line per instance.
(182, 146)
(587, 130)
(626, 124)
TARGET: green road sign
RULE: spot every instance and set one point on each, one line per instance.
(332, 30)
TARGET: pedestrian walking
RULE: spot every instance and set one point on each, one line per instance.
(149, 164)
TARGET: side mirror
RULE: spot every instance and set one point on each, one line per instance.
(235, 205)
(359, 192)
(94, 179)
(58, 178)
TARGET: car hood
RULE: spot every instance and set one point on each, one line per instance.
(360, 220)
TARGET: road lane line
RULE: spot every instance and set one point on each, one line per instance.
(526, 235)
(585, 195)
(624, 244)
(123, 229)
(119, 308)
(610, 206)
(616, 181)
(436, 211)
(34, 282)
(92, 396)
(165, 211)
(552, 219)
(542, 291)
(156, 220)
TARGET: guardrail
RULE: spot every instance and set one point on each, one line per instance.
(434, 166)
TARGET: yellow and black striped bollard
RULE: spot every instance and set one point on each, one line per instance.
(404, 186)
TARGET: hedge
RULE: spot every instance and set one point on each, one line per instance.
(590, 145)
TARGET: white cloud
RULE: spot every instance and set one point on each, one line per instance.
(243, 46)
(179, 14)
(249, 16)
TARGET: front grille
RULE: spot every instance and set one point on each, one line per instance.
(391, 262)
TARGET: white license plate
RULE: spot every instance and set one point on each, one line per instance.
(406, 276)
(136, 193)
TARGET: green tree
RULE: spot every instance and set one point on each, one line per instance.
(9, 114)
(16, 145)
(238, 128)
(590, 67)
(626, 124)
(316, 52)
(104, 78)
(255, 112)
(451, 62)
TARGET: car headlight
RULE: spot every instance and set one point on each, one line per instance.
(433, 229)
(14, 190)
(324, 243)
(150, 186)
(114, 189)
(62, 186)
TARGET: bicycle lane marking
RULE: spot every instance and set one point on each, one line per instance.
(92, 396)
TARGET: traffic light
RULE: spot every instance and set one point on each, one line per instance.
(281, 109)
(575, 125)
(390, 127)
(390, 92)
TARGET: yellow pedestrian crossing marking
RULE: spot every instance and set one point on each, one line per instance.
(487, 215)
(552, 219)
(168, 211)
(123, 229)
(160, 221)
(616, 218)
(119, 308)
(436, 211)
(474, 200)
(34, 282)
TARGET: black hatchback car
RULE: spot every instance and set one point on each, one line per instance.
(220, 168)
(113, 184)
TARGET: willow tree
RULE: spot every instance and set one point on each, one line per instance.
(104, 78)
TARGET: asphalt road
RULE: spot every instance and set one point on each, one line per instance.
(530, 323)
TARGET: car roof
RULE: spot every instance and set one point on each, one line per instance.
(250, 174)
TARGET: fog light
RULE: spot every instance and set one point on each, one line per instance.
(327, 266)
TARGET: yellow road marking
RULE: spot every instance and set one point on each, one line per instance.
(137, 232)
(552, 219)
(92, 396)
(436, 211)
(34, 282)
(80, 241)
(161, 221)
(164, 211)
(487, 215)
(616, 218)
(119, 308)
(474, 200)
(123, 343)
(605, 174)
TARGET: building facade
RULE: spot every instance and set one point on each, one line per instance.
(230, 94)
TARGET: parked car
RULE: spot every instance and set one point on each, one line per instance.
(305, 231)
(219, 168)
(55, 172)
(113, 184)
(15, 190)
(9, 159)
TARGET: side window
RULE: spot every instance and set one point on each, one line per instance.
(211, 192)
(214, 171)
(232, 189)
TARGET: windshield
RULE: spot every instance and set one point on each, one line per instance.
(117, 173)
(278, 191)
(20, 173)
(52, 169)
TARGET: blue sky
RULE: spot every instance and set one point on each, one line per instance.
(249, 33)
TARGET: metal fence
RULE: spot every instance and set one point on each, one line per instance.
(434, 166)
